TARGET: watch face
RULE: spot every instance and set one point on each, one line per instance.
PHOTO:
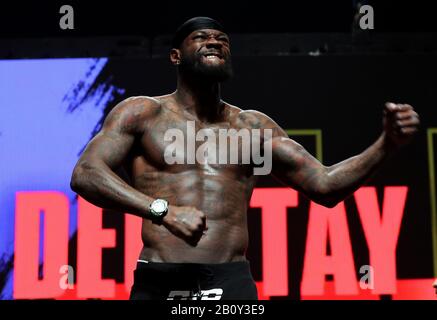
(159, 206)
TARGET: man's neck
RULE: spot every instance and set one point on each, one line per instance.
(200, 98)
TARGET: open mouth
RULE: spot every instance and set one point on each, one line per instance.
(213, 56)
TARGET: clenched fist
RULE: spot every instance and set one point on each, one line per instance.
(401, 122)
(187, 223)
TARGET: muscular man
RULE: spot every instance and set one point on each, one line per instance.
(194, 213)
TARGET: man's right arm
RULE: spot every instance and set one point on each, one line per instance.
(94, 178)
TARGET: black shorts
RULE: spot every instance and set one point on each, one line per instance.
(192, 281)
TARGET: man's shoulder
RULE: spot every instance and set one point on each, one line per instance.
(255, 119)
(132, 113)
(251, 117)
(139, 105)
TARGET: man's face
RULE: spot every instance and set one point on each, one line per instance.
(205, 53)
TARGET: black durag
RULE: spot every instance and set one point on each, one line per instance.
(194, 24)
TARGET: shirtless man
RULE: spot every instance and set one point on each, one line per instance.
(194, 214)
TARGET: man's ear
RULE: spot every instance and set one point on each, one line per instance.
(175, 56)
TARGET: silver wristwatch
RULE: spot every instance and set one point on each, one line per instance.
(158, 209)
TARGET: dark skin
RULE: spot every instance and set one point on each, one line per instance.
(206, 221)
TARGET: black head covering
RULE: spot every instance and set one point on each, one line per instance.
(194, 24)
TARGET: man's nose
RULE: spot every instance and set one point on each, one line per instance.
(212, 42)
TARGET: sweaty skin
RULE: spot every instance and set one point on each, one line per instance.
(206, 221)
(133, 135)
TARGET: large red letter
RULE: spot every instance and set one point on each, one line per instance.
(132, 245)
(91, 238)
(274, 203)
(27, 236)
(382, 232)
(324, 221)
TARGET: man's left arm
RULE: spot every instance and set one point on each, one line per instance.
(328, 185)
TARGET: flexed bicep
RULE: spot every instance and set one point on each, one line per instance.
(291, 163)
(112, 144)
(297, 168)
(110, 147)
(94, 176)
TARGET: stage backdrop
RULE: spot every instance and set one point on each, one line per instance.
(379, 243)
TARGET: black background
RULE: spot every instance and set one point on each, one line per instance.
(148, 18)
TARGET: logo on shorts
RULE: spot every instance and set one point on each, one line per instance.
(212, 294)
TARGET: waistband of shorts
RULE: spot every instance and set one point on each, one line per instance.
(215, 267)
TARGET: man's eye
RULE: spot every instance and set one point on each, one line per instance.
(199, 37)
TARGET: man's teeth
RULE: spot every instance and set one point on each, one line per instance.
(211, 57)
